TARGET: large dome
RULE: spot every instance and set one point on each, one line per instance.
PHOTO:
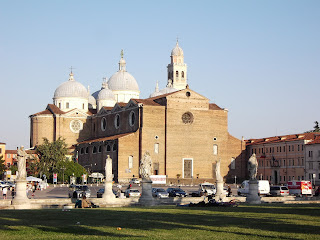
(177, 51)
(71, 88)
(123, 80)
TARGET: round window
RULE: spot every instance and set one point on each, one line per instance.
(76, 126)
(103, 124)
(132, 118)
(117, 121)
(187, 118)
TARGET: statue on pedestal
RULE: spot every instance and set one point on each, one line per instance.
(145, 166)
(22, 155)
(253, 167)
(217, 170)
(108, 169)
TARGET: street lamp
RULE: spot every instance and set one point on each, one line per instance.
(63, 168)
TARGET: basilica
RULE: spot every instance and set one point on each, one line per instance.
(184, 133)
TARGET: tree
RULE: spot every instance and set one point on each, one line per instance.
(316, 127)
(69, 168)
(50, 154)
(13, 169)
(2, 165)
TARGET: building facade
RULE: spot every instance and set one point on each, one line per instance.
(184, 133)
(313, 161)
(281, 158)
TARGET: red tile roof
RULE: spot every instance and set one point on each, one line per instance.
(315, 141)
(283, 138)
(147, 101)
(55, 109)
(104, 138)
(214, 106)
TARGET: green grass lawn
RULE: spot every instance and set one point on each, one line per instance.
(275, 221)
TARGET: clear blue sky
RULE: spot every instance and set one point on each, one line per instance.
(259, 59)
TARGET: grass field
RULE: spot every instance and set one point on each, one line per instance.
(243, 222)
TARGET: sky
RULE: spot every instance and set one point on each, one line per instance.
(258, 59)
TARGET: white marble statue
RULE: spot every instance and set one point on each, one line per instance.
(108, 169)
(218, 174)
(146, 166)
(253, 167)
(22, 155)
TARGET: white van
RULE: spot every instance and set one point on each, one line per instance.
(264, 187)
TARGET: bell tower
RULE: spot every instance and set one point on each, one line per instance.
(177, 69)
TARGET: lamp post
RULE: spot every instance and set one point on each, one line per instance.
(235, 180)
(63, 168)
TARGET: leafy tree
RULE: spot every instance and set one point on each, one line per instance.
(2, 165)
(69, 168)
(50, 154)
(316, 127)
(13, 169)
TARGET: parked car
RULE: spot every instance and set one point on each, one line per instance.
(176, 192)
(78, 191)
(204, 189)
(134, 181)
(3, 184)
(300, 188)
(100, 193)
(279, 191)
(11, 184)
(132, 193)
(160, 193)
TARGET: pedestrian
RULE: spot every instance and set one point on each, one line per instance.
(229, 191)
(4, 192)
(12, 192)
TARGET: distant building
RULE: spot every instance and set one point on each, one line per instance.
(2, 150)
(11, 158)
(283, 158)
(313, 160)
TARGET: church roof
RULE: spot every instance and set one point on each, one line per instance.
(147, 101)
(71, 88)
(104, 138)
(214, 106)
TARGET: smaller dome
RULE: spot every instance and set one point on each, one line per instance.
(92, 100)
(105, 93)
(71, 88)
(177, 51)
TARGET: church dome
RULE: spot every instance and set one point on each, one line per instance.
(123, 80)
(105, 94)
(71, 88)
(92, 101)
(177, 51)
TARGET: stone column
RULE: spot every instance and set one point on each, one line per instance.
(108, 195)
(21, 201)
(253, 196)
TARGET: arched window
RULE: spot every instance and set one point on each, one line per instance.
(103, 124)
(215, 149)
(182, 74)
(67, 105)
(132, 118)
(59, 104)
(94, 149)
(108, 148)
(177, 74)
(82, 151)
(99, 149)
(114, 148)
(87, 150)
(117, 121)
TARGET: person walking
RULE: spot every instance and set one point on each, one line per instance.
(229, 191)
(4, 192)
(13, 192)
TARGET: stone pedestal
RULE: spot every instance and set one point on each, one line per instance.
(253, 196)
(146, 198)
(21, 201)
(220, 194)
(108, 195)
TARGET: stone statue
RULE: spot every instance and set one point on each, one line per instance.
(108, 169)
(22, 155)
(253, 167)
(146, 166)
(218, 175)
